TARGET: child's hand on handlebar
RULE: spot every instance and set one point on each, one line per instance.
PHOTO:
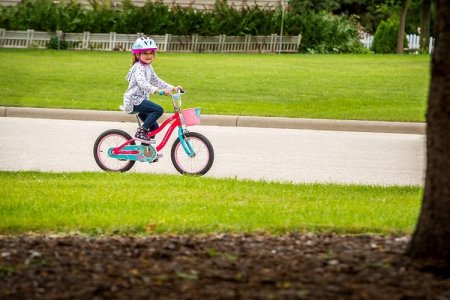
(164, 92)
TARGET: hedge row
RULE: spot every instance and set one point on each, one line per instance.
(322, 32)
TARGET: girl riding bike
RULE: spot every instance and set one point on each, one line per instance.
(115, 150)
(143, 82)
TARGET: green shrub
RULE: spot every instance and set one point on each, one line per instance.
(57, 43)
(385, 38)
(322, 32)
(326, 33)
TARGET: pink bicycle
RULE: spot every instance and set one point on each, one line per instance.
(192, 153)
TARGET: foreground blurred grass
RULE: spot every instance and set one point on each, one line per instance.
(360, 87)
(106, 203)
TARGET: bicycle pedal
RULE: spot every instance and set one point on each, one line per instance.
(158, 156)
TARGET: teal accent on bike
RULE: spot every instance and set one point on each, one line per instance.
(186, 145)
(146, 153)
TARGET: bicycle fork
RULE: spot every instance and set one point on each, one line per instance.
(185, 143)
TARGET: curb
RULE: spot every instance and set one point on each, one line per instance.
(221, 120)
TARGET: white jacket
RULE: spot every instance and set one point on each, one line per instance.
(142, 82)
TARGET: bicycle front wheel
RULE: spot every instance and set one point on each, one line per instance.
(202, 159)
(109, 139)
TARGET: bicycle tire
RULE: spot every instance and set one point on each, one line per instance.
(198, 165)
(106, 140)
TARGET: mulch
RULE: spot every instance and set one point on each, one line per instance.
(220, 266)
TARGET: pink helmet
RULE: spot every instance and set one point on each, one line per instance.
(143, 44)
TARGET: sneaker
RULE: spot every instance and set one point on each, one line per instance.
(142, 135)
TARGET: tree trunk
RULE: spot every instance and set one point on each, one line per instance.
(401, 28)
(431, 239)
(425, 25)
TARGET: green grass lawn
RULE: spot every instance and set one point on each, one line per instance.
(111, 203)
(359, 87)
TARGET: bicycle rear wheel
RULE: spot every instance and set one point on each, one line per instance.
(108, 139)
(200, 162)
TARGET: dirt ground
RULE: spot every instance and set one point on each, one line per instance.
(224, 266)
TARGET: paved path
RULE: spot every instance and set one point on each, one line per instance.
(243, 152)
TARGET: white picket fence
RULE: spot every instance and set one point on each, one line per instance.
(175, 43)
(166, 43)
(413, 42)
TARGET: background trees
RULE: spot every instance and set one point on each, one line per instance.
(321, 31)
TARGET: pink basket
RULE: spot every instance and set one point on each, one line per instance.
(191, 116)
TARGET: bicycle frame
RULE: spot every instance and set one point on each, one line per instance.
(174, 121)
(191, 153)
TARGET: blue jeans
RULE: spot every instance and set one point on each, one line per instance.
(149, 112)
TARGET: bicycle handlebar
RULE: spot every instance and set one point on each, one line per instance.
(179, 91)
